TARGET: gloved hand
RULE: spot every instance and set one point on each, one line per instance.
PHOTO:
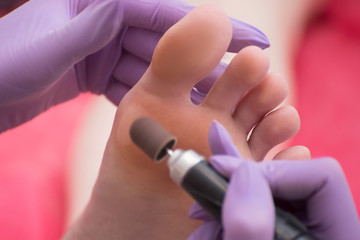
(51, 51)
(316, 192)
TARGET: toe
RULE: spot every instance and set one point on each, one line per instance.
(245, 71)
(189, 51)
(294, 153)
(277, 127)
(260, 100)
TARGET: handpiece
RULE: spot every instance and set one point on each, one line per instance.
(197, 177)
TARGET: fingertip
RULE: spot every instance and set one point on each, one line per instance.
(197, 212)
(248, 208)
(220, 140)
(224, 164)
(206, 84)
(210, 230)
(116, 91)
(245, 35)
(217, 130)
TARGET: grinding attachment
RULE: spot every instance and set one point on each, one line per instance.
(151, 138)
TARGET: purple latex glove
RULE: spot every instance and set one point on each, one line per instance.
(316, 192)
(51, 51)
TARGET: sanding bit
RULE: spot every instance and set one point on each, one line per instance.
(152, 138)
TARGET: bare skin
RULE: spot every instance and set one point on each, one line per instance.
(134, 198)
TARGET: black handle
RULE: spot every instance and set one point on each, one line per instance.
(208, 188)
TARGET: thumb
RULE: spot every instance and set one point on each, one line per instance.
(248, 210)
(220, 140)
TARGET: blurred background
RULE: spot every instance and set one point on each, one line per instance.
(49, 165)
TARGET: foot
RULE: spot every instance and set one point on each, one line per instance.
(133, 197)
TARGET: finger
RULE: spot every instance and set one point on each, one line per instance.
(90, 30)
(116, 91)
(204, 85)
(154, 15)
(161, 15)
(210, 230)
(141, 42)
(225, 164)
(198, 212)
(299, 179)
(245, 35)
(220, 141)
(321, 184)
(130, 69)
(248, 209)
(125, 75)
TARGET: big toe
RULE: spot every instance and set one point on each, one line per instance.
(190, 50)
